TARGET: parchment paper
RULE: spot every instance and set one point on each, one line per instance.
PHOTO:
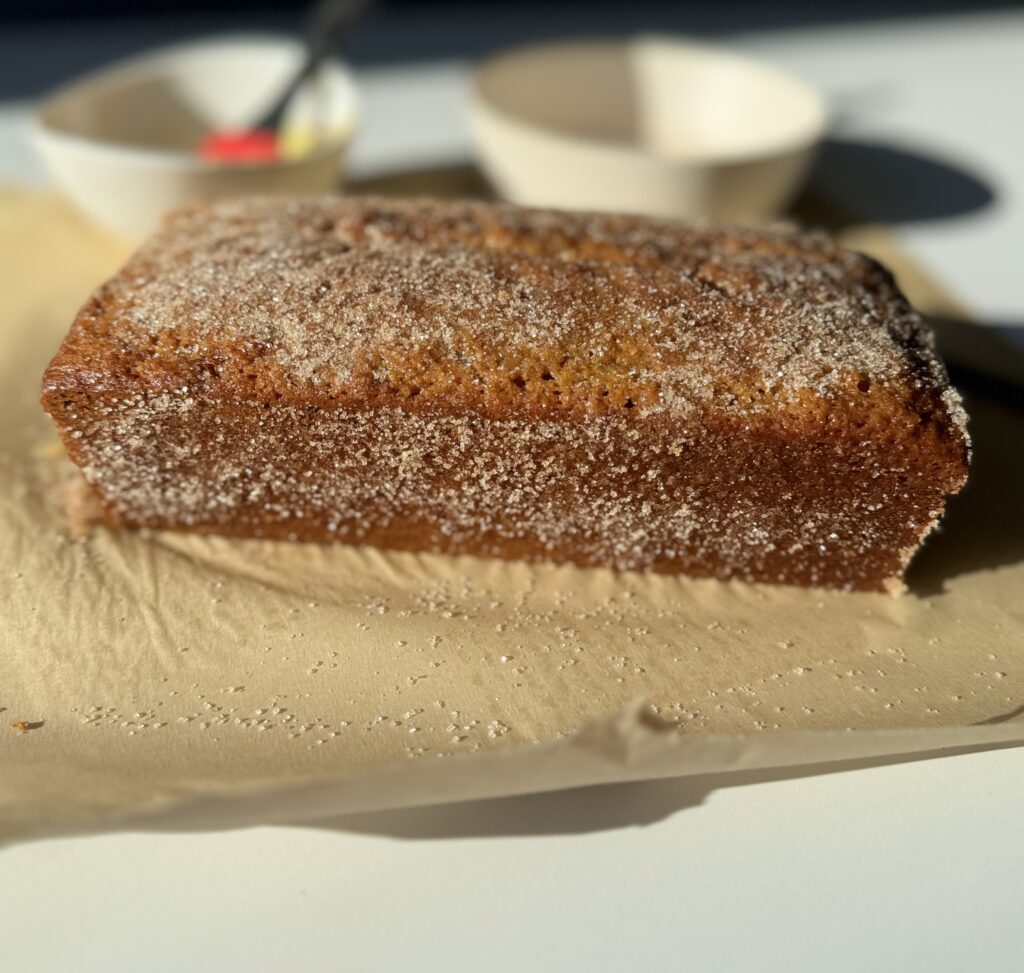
(171, 681)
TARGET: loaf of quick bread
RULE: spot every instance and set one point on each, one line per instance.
(482, 379)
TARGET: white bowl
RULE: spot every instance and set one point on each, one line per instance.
(121, 142)
(652, 125)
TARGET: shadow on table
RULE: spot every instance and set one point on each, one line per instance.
(587, 809)
(461, 181)
(858, 182)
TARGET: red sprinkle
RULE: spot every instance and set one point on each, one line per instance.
(260, 145)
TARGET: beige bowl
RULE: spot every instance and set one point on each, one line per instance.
(651, 125)
(121, 142)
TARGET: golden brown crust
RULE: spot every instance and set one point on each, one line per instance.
(484, 379)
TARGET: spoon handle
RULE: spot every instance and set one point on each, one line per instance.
(329, 23)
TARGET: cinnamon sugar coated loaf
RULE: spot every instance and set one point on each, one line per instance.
(483, 379)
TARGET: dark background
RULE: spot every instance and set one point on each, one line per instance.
(43, 42)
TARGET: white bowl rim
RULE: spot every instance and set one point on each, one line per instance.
(556, 137)
(176, 159)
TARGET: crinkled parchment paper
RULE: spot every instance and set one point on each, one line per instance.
(174, 681)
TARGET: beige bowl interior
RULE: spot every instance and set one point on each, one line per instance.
(171, 99)
(122, 142)
(591, 121)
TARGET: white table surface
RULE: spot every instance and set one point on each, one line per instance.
(911, 866)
